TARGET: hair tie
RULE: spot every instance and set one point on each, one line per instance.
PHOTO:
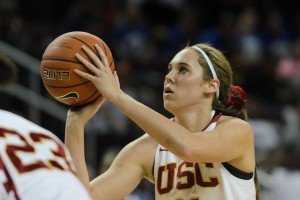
(236, 96)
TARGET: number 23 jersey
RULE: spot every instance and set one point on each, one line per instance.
(34, 163)
(176, 179)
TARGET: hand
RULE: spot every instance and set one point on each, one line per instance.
(81, 115)
(101, 76)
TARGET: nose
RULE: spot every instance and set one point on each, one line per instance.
(169, 78)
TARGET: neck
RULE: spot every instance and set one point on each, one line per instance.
(194, 120)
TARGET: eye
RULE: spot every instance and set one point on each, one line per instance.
(169, 69)
(182, 69)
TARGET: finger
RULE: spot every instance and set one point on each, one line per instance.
(85, 75)
(86, 63)
(116, 77)
(96, 60)
(102, 56)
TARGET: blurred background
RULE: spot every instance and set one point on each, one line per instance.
(261, 39)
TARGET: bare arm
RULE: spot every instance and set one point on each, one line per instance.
(233, 136)
(230, 140)
(74, 137)
(132, 164)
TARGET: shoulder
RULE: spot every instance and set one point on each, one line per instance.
(143, 143)
(234, 125)
(142, 146)
(233, 121)
(15, 121)
(240, 137)
(142, 151)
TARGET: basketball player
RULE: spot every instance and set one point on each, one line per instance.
(206, 151)
(34, 163)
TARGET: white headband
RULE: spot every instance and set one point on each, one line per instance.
(211, 67)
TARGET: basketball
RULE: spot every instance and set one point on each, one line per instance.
(58, 64)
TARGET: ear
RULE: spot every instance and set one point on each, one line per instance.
(213, 86)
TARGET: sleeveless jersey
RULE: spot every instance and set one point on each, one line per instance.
(176, 179)
(34, 163)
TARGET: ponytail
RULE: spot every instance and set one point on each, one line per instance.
(233, 103)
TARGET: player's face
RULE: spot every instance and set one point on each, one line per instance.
(184, 85)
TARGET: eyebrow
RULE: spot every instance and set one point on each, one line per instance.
(180, 63)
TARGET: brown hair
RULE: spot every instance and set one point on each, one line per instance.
(8, 70)
(225, 76)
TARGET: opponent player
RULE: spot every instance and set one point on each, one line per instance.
(205, 152)
(34, 163)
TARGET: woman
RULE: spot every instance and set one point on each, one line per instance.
(205, 152)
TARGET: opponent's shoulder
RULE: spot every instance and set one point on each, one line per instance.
(4, 114)
(13, 120)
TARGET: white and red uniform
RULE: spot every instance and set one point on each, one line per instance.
(34, 163)
(176, 179)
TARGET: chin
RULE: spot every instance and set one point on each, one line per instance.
(169, 107)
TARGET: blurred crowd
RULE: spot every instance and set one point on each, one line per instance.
(261, 39)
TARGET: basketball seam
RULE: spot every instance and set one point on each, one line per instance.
(90, 95)
(103, 47)
(82, 102)
(60, 59)
(53, 86)
(75, 38)
(82, 42)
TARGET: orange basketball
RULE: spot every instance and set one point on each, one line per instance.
(58, 64)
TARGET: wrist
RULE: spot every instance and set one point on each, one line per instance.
(118, 97)
(74, 125)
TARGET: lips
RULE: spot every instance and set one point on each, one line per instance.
(168, 90)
